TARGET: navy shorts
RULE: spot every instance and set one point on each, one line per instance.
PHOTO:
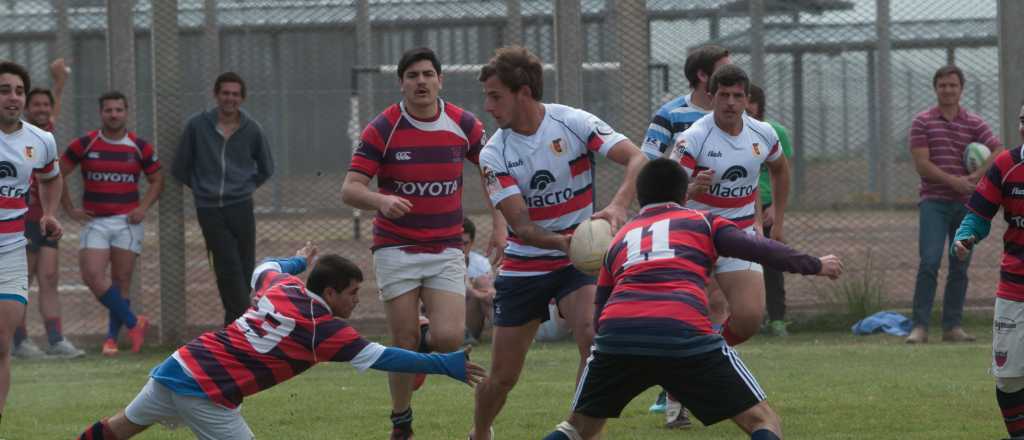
(520, 300)
(36, 239)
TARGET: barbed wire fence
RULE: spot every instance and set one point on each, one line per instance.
(845, 77)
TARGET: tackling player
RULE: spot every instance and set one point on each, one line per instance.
(290, 327)
(652, 314)
(25, 151)
(416, 150)
(1003, 186)
(112, 159)
(539, 173)
(729, 147)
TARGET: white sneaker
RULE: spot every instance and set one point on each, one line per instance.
(28, 350)
(64, 350)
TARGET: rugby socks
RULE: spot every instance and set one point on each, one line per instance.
(402, 421)
(114, 323)
(98, 431)
(763, 434)
(115, 303)
(20, 335)
(53, 330)
(1012, 406)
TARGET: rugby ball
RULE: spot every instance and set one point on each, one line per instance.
(975, 155)
(589, 243)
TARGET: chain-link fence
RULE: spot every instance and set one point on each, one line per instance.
(317, 71)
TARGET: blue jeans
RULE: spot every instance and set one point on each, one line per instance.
(938, 222)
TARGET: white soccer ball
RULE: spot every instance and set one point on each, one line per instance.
(589, 244)
(975, 155)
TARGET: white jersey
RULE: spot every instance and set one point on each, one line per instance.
(552, 170)
(736, 161)
(22, 153)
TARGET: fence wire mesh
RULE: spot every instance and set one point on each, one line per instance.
(317, 71)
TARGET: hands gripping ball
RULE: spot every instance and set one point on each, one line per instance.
(589, 244)
(975, 155)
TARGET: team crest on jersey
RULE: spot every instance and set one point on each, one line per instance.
(757, 149)
(680, 147)
(556, 147)
(29, 151)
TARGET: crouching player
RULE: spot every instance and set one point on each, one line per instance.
(290, 327)
(651, 318)
(1002, 186)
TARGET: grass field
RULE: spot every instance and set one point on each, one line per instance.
(824, 385)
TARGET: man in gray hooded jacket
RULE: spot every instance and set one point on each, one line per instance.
(223, 157)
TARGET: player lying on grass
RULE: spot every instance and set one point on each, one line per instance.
(290, 327)
(651, 318)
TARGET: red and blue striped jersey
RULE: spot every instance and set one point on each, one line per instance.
(1003, 185)
(287, 330)
(653, 284)
(110, 170)
(420, 161)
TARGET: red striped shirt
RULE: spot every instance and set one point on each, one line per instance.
(946, 141)
(271, 343)
(1003, 186)
(422, 162)
(110, 170)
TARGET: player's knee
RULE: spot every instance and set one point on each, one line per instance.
(6, 340)
(447, 341)
(48, 277)
(1010, 385)
(407, 339)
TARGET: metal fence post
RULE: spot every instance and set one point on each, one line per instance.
(1010, 15)
(569, 52)
(211, 49)
(513, 32)
(757, 42)
(167, 127)
(121, 52)
(884, 76)
(64, 48)
(634, 49)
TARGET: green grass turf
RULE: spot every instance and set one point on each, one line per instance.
(824, 386)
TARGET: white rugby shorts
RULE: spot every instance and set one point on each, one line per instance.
(14, 275)
(1008, 339)
(399, 272)
(207, 420)
(729, 264)
(112, 231)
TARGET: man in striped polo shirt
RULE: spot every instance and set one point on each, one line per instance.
(416, 150)
(938, 137)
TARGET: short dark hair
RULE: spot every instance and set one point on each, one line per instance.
(418, 54)
(757, 97)
(112, 96)
(729, 75)
(946, 71)
(469, 228)
(703, 59)
(40, 91)
(333, 270)
(228, 77)
(516, 67)
(18, 70)
(661, 180)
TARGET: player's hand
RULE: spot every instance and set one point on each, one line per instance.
(496, 246)
(701, 183)
(136, 216)
(831, 266)
(59, 70)
(615, 215)
(777, 233)
(394, 207)
(308, 252)
(474, 373)
(963, 185)
(79, 215)
(51, 227)
(962, 248)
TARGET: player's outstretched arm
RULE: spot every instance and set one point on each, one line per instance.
(730, 241)
(514, 210)
(455, 365)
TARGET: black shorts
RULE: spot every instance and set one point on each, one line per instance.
(714, 386)
(36, 239)
(519, 300)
